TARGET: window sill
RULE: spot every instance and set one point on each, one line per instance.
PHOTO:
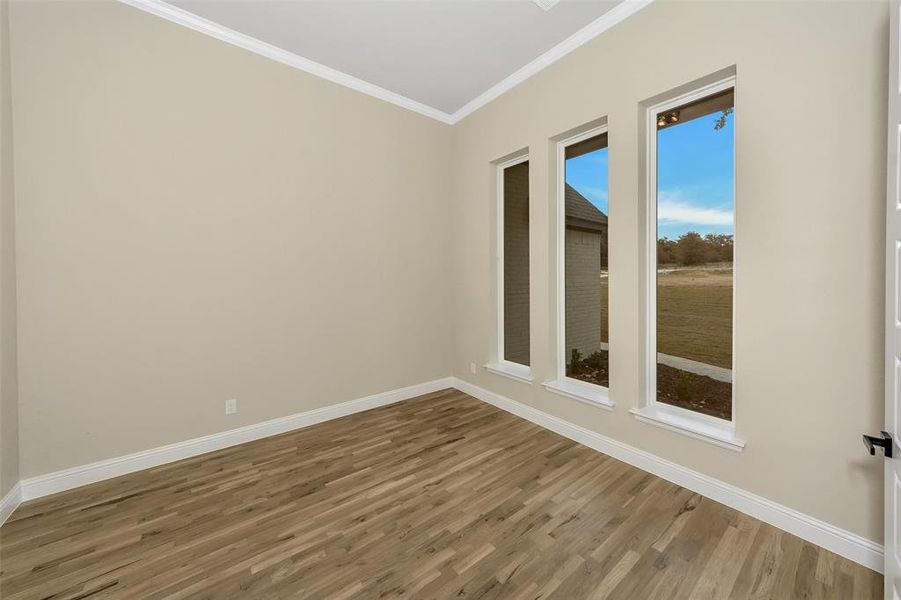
(511, 370)
(722, 435)
(593, 395)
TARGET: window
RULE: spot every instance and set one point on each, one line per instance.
(585, 290)
(513, 353)
(691, 212)
(582, 288)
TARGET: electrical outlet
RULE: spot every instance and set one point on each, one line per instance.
(231, 406)
(472, 368)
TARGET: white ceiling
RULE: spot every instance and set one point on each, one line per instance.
(439, 53)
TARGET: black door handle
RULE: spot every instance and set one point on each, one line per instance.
(885, 442)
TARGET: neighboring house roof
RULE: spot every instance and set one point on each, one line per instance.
(582, 214)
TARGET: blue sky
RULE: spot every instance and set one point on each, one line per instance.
(695, 175)
(588, 175)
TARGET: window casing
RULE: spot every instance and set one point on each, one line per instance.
(582, 265)
(512, 267)
(688, 372)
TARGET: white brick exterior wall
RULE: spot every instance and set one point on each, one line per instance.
(583, 291)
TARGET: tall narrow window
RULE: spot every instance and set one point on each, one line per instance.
(514, 264)
(585, 289)
(694, 227)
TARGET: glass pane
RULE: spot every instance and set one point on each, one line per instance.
(516, 263)
(695, 227)
(585, 261)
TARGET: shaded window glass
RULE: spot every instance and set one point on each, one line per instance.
(516, 263)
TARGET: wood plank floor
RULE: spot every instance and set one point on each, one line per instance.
(441, 496)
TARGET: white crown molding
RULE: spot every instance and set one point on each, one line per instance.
(59, 481)
(850, 545)
(220, 32)
(177, 15)
(615, 15)
(10, 502)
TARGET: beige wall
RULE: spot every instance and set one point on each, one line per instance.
(198, 223)
(810, 169)
(9, 420)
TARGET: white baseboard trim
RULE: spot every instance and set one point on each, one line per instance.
(59, 481)
(850, 545)
(847, 544)
(10, 502)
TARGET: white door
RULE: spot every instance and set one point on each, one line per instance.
(893, 327)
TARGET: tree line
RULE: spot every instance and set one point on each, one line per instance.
(694, 249)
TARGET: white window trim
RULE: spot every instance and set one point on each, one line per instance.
(590, 393)
(500, 365)
(511, 370)
(697, 425)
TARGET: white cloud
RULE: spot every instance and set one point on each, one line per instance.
(672, 208)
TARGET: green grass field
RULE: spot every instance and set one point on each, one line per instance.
(694, 313)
